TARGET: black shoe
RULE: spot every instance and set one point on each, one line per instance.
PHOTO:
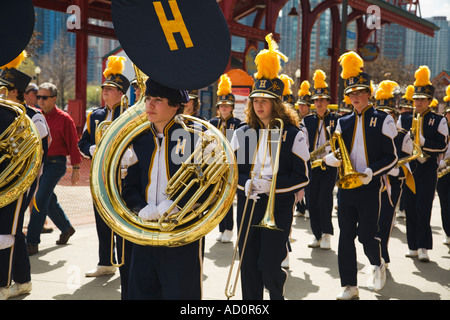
(64, 237)
(32, 249)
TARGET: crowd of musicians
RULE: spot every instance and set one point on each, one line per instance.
(397, 151)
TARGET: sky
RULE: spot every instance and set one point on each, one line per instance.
(431, 8)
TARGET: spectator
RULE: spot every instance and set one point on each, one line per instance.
(64, 143)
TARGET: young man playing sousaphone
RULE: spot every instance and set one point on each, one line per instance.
(319, 193)
(265, 248)
(227, 123)
(368, 136)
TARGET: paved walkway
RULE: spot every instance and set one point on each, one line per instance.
(58, 271)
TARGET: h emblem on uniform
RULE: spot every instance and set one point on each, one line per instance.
(373, 122)
(431, 122)
(173, 26)
(181, 144)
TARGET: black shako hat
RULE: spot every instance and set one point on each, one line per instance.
(156, 89)
(180, 44)
(16, 28)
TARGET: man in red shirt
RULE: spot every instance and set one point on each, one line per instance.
(64, 143)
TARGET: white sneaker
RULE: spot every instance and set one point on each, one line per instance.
(325, 241)
(307, 214)
(446, 241)
(349, 293)
(379, 276)
(411, 254)
(18, 289)
(401, 214)
(219, 237)
(423, 255)
(227, 236)
(5, 293)
(101, 271)
(314, 244)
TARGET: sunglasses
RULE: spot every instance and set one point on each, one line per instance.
(44, 97)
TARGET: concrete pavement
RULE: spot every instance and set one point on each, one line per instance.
(58, 271)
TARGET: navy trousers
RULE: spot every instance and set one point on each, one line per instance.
(358, 214)
(319, 193)
(265, 249)
(166, 273)
(418, 206)
(443, 190)
(227, 223)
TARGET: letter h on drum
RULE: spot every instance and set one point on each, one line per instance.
(173, 26)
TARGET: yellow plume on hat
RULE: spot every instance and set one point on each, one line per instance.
(115, 66)
(409, 92)
(434, 103)
(304, 89)
(447, 97)
(268, 60)
(16, 62)
(224, 86)
(319, 79)
(351, 63)
(386, 90)
(287, 83)
(422, 76)
(347, 100)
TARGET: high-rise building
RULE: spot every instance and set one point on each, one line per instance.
(433, 52)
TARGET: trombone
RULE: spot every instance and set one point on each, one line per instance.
(268, 221)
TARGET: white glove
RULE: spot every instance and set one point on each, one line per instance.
(394, 172)
(442, 164)
(149, 212)
(253, 195)
(6, 241)
(331, 160)
(368, 177)
(92, 149)
(164, 206)
(422, 140)
(261, 185)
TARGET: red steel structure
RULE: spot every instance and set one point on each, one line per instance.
(401, 12)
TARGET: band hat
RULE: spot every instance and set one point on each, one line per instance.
(354, 78)
(422, 86)
(16, 28)
(385, 95)
(320, 86)
(11, 77)
(267, 83)
(287, 97)
(155, 89)
(224, 95)
(434, 103)
(113, 74)
(407, 101)
(193, 94)
(304, 95)
(181, 44)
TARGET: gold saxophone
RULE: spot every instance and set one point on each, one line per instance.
(20, 154)
(415, 136)
(190, 223)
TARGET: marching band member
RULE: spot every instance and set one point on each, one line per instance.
(266, 249)
(172, 273)
(368, 135)
(303, 104)
(404, 121)
(443, 184)
(319, 192)
(287, 96)
(433, 135)
(14, 259)
(227, 123)
(395, 178)
(192, 107)
(114, 88)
